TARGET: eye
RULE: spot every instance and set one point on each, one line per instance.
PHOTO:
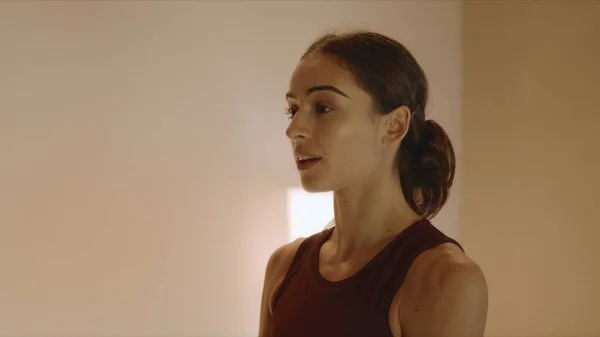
(291, 111)
(321, 109)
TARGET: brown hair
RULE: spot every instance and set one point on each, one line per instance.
(393, 77)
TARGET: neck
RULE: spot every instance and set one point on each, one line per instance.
(369, 213)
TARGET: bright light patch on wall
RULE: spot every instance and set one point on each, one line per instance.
(308, 213)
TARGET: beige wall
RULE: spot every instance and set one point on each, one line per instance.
(531, 164)
(143, 164)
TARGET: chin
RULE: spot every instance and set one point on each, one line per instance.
(314, 186)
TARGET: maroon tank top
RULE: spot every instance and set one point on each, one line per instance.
(308, 305)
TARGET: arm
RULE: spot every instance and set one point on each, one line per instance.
(452, 301)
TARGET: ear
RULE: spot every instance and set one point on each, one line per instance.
(397, 124)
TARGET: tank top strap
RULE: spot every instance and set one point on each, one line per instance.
(412, 242)
(306, 249)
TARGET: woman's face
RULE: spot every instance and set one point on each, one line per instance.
(336, 136)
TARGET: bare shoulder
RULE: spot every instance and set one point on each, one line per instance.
(447, 265)
(445, 295)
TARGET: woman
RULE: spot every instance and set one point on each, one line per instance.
(356, 103)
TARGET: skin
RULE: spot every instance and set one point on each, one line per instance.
(445, 293)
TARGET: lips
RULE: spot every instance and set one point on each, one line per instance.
(306, 158)
(305, 161)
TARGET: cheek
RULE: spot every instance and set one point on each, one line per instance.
(353, 145)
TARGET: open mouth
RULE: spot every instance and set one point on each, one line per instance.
(306, 162)
(306, 159)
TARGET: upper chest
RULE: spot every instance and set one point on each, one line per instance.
(305, 310)
(352, 302)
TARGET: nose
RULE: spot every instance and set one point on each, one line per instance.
(299, 128)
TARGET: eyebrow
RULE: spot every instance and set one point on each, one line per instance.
(319, 88)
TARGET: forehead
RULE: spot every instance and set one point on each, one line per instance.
(316, 70)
